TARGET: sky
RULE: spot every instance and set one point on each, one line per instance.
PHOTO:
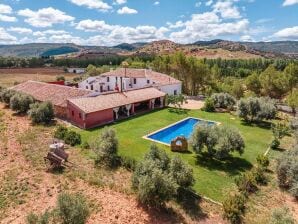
(111, 22)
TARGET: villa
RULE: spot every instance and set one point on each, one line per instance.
(124, 79)
(104, 99)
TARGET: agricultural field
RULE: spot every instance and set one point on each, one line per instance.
(9, 77)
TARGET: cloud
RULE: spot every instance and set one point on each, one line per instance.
(45, 17)
(6, 38)
(264, 20)
(126, 10)
(20, 30)
(208, 25)
(156, 3)
(290, 2)
(120, 2)
(208, 3)
(93, 4)
(226, 9)
(290, 33)
(116, 34)
(198, 4)
(49, 32)
(5, 11)
(246, 38)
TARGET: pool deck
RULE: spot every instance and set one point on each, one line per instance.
(152, 133)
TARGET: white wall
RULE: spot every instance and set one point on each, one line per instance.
(170, 89)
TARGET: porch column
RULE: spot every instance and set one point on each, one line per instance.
(153, 103)
(162, 101)
(128, 107)
(116, 110)
(133, 108)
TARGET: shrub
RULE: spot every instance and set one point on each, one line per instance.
(263, 161)
(128, 163)
(223, 100)
(6, 95)
(219, 141)
(21, 102)
(72, 208)
(246, 183)
(60, 132)
(85, 145)
(60, 78)
(72, 138)
(233, 208)
(275, 143)
(209, 105)
(259, 175)
(39, 219)
(41, 113)
(287, 171)
(106, 148)
(282, 216)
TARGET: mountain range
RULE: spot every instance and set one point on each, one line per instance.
(204, 49)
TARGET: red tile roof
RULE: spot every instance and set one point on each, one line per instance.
(158, 78)
(57, 94)
(107, 101)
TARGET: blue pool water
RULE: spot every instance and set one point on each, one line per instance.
(183, 128)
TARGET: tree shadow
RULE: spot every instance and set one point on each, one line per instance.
(189, 202)
(260, 124)
(178, 110)
(231, 165)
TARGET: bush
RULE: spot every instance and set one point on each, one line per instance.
(246, 183)
(39, 219)
(21, 102)
(282, 216)
(259, 175)
(275, 143)
(223, 100)
(60, 132)
(263, 161)
(106, 148)
(219, 141)
(128, 163)
(256, 109)
(294, 190)
(60, 78)
(72, 138)
(287, 171)
(233, 208)
(85, 145)
(209, 105)
(72, 208)
(41, 113)
(6, 95)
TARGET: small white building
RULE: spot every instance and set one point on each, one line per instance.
(126, 79)
(76, 70)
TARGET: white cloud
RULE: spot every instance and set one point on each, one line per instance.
(6, 38)
(208, 3)
(94, 26)
(246, 38)
(290, 2)
(126, 10)
(20, 30)
(176, 25)
(156, 3)
(93, 4)
(49, 32)
(198, 4)
(208, 25)
(120, 2)
(45, 17)
(290, 33)
(226, 9)
(5, 11)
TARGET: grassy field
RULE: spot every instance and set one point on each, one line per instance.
(213, 178)
(9, 77)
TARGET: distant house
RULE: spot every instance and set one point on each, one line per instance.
(123, 79)
(76, 70)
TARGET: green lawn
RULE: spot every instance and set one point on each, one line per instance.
(213, 178)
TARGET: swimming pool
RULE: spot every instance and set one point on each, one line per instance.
(181, 128)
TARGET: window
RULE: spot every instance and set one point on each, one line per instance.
(148, 81)
(91, 87)
(175, 92)
(72, 113)
(108, 79)
(86, 87)
(108, 88)
(80, 115)
(134, 81)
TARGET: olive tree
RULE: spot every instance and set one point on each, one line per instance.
(106, 148)
(6, 94)
(21, 102)
(41, 113)
(281, 215)
(223, 100)
(217, 141)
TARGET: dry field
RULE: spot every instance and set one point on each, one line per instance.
(9, 77)
(27, 187)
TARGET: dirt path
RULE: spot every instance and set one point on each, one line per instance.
(36, 190)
